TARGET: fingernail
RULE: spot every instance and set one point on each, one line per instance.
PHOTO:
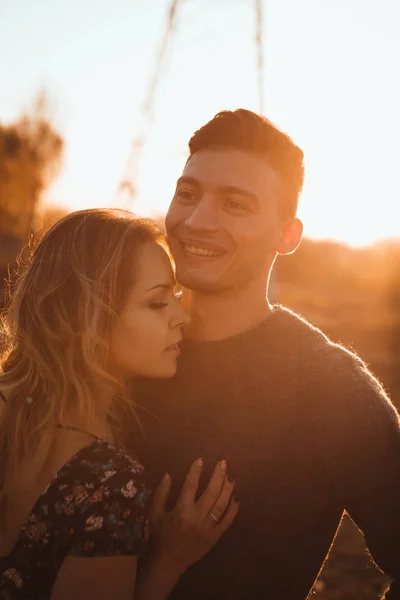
(165, 478)
(223, 465)
(199, 462)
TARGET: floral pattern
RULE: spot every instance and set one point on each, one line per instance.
(96, 505)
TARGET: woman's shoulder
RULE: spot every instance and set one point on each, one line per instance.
(104, 465)
(102, 496)
(103, 459)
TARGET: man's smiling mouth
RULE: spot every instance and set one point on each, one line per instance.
(201, 248)
(198, 251)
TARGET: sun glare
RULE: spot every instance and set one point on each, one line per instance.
(339, 102)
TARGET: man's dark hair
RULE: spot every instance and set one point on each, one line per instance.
(244, 130)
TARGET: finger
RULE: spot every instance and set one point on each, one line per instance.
(160, 498)
(228, 518)
(223, 500)
(213, 490)
(191, 484)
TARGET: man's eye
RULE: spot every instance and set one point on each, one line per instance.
(233, 205)
(185, 196)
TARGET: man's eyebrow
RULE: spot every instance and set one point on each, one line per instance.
(225, 188)
(231, 189)
(189, 180)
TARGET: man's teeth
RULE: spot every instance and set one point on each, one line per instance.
(201, 251)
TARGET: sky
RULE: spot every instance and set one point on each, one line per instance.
(331, 80)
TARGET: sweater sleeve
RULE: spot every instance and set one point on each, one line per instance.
(358, 435)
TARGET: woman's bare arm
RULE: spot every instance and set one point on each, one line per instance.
(103, 578)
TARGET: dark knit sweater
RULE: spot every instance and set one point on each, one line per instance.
(307, 433)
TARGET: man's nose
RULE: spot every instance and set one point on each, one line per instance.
(204, 216)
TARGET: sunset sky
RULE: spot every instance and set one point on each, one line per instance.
(331, 81)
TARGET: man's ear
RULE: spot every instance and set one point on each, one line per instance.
(290, 238)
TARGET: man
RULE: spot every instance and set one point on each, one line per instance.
(307, 431)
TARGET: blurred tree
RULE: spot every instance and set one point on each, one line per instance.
(46, 215)
(30, 157)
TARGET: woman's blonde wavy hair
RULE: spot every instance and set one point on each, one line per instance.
(56, 331)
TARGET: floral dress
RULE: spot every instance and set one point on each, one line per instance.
(96, 505)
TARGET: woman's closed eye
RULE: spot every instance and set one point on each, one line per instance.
(158, 305)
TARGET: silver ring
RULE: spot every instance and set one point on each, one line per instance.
(213, 516)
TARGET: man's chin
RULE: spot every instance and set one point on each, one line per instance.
(199, 285)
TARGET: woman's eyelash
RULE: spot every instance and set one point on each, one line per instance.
(158, 305)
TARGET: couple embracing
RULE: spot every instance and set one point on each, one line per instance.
(255, 431)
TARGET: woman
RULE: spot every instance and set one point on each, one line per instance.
(93, 308)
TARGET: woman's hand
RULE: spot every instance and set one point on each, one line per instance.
(184, 535)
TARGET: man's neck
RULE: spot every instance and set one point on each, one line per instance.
(220, 316)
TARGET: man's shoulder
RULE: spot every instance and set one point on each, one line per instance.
(298, 332)
(335, 379)
(296, 325)
(315, 350)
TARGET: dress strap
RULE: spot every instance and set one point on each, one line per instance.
(95, 437)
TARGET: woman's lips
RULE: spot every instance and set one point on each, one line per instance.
(174, 349)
